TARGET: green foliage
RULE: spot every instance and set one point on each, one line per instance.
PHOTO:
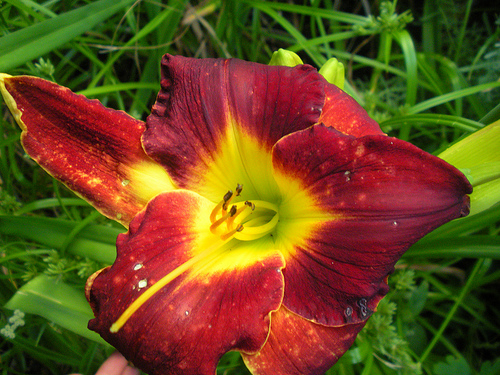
(429, 75)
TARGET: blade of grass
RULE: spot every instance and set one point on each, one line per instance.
(50, 202)
(410, 55)
(318, 59)
(106, 89)
(31, 42)
(310, 11)
(434, 102)
(473, 246)
(434, 120)
(145, 30)
(467, 225)
(96, 242)
(32, 8)
(463, 292)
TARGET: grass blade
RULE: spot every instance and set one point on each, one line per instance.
(34, 41)
(96, 242)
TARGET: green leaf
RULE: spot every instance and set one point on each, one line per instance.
(410, 55)
(490, 369)
(57, 302)
(452, 366)
(445, 98)
(418, 298)
(26, 44)
(472, 246)
(96, 242)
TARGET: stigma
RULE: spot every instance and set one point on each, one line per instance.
(234, 221)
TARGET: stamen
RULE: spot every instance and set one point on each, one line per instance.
(228, 235)
(230, 221)
(217, 223)
(265, 222)
(250, 204)
(255, 232)
(228, 198)
(239, 188)
(221, 205)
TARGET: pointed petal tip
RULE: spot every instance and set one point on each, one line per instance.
(95, 151)
(4, 76)
(383, 195)
(9, 100)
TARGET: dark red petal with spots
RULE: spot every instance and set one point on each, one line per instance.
(94, 150)
(177, 298)
(344, 114)
(297, 346)
(378, 195)
(208, 107)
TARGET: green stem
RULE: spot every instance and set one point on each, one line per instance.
(77, 229)
(465, 290)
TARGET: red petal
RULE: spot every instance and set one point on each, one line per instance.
(94, 150)
(382, 195)
(344, 114)
(297, 346)
(209, 107)
(215, 300)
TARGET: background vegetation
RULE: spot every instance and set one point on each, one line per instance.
(427, 71)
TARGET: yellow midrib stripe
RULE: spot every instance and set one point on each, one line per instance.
(134, 306)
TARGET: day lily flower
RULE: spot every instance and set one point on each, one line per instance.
(265, 211)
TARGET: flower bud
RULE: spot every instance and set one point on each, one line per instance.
(333, 71)
(285, 58)
(478, 157)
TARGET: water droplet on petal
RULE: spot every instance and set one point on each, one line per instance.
(138, 266)
(142, 283)
(348, 311)
(125, 182)
(186, 313)
(347, 175)
(395, 224)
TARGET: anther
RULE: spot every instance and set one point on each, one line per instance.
(217, 223)
(230, 221)
(230, 234)
(221, 205)
(250, 204)
(228, 197)
(239, 188)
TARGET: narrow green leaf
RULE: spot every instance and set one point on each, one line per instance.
(310, 11)
(94, 241)
(57, 302)
(410, 55)
(433, 120)
(50, 202)
(474, 246)
(425, 105)
(106, 89)
(26, 44)
(143, 32)
(296, 34)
